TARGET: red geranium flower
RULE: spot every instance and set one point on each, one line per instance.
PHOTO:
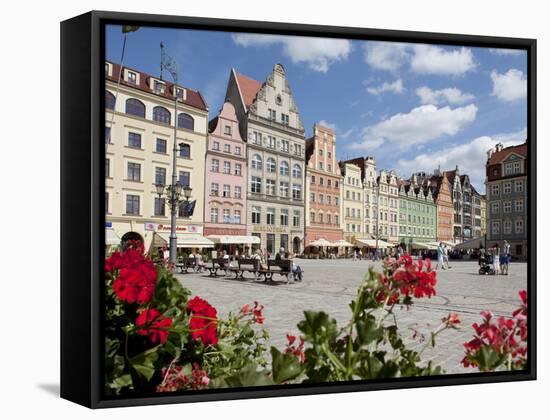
(154, 325)
(203, 321)
(136, 277)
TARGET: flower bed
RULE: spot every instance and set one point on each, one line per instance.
(160, 339)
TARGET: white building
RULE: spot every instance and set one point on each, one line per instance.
(272, 126)
(139, 136)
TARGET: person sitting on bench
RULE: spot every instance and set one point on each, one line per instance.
(296, 269)
(199, 262)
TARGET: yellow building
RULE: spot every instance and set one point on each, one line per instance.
(483, 209)
(139, 136)
(352, 201)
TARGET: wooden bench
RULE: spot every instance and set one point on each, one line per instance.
(187, 263)
(280, 267)
(218, 264)
(250, 265)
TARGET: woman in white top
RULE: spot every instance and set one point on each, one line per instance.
(496, 260)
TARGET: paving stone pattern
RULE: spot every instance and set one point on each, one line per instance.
(330, 285)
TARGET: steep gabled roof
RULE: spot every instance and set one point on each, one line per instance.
(248, 87)
(498, 157)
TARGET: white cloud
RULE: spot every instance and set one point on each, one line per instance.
(448, 95)
(395, 87)
(505, 51)
(327, 124)
(347, 133)
(422, 58)
(510, 86)
(386, 55)
(318, 53)
(470, 157)
(430, 59)
(421, 125)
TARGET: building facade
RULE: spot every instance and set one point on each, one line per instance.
(455, 187)
(483, 211)
(323, 187)
(388, 206)
(478, 224)
(506, 188)
(417, 214)
(226, 176)
(369, 177)
(440, 188)
(352, 201)
(270, 122)
(139, 139)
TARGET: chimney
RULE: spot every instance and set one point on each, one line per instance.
(499, 147)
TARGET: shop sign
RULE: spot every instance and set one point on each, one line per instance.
(151, 226)
(180, 229)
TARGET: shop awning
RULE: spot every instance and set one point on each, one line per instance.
(233, 239)
(111, 238)
(371, 243)
(185, 240)
(342, 242)
(448, 243)
(423, 245)
(472, 244)
(320, 242)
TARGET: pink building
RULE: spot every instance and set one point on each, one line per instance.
(225, 183)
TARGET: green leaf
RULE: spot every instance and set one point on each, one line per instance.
(367, 331)
(120, 382)
(318, 326)
(249, 376)
(144, 363)
(284, 366)
(488, 358)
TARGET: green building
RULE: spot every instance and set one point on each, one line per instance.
(417, 214)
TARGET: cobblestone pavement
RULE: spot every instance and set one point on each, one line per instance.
(330, 285)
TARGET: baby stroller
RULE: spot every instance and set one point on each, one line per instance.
(486, 265)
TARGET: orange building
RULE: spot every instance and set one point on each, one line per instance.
(323, 187)
(441, 192)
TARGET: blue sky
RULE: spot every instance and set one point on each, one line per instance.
(411, 106)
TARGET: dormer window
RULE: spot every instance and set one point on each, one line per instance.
(108, 69)
(132, 77)
(158, 87)
(180, 93)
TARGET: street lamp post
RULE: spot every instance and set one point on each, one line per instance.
(377, 218)
(174, 194)
(174, 190)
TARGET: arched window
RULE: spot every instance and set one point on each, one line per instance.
(297, 171)
(161, 115)
(185, 151)
(135, 107)
(283, 170)
(270, 165)
(186, 121)
(256, 162)
(109, 100)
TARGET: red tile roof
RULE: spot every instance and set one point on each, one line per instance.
(248, 87)
(498, 157)
(193, 97)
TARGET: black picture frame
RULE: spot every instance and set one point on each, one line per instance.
(82, 204)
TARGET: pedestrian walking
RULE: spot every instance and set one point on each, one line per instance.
(496, 260)
(507, 256)
(440, 256)
(446, 255)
